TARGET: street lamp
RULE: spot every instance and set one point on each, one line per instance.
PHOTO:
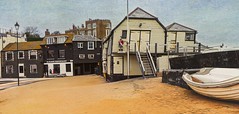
(17, 28)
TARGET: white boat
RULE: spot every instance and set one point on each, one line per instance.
(220, 83)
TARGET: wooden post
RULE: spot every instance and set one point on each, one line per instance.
(177, 51)
(199, 47)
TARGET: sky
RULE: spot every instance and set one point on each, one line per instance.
(216, 21)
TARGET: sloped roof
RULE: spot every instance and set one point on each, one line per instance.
(23, 46)
(140, 13)
(178, 27)
(68, 40)
(85, 38)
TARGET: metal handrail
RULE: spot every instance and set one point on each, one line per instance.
(141, 62)
(151, 59)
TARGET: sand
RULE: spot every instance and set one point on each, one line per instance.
(90, 94)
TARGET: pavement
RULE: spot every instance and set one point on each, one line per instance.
(6, 83)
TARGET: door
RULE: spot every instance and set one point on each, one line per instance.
(139, 40)
(56, 69)
(144, 40)
(118, 65)
(21, 70)
(134, 41)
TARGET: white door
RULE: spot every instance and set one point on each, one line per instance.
(21, 70)
(118, 65)
(144, 40)
(139, 40)
(134, 41)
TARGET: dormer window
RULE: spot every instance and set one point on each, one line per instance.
(56, 40)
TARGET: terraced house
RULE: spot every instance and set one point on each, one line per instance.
(29, 63)
(57, 54)
(87, 53)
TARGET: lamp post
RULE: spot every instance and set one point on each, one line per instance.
(17, 28)
(1, 54)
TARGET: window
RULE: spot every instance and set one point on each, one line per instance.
(61, 53)
(108, 25)
(82, 32)
(9, 56)
(50, 54)
(21, 55)
(89, 32)
(56, 40)
(82, 56)
(107, 31)
(124, 34)
(32, 54)
(90, 45)
(94, 32)
(61, 39)
(80, 45)
(91, 56)
(94, 25)
(33, 68)
(189, 37)
(68, 67)
(9, 69)
(49, 40)
(89, 26)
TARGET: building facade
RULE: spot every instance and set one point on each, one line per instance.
(146, 35)
(57, 54)
(181, 37)
(87, 54)
(99, 28)
(6, 38)
(29, 57)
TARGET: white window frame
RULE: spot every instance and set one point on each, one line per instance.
(80, 45)
(31, 69)
(91, 56)
(89, 32)
(94, 25)
(89, 26)
(107, 31)
(12, 55)
(94, 32)
(91, 48)
(81, 56)
(49, 40)
(7, 66)
(19, 55)
(29, 54)
(108, 25)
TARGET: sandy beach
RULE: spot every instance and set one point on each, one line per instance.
(90, 94)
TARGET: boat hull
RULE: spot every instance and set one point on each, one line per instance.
(224, 93)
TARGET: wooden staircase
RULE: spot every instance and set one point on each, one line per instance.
(146, 63)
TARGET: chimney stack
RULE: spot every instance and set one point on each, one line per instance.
(47, 32)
